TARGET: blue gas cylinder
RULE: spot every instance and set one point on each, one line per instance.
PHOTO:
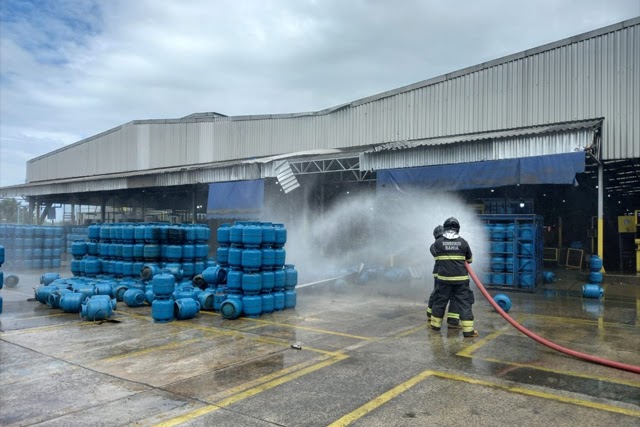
(235, 234)
(503, 301)
(92, 249)
(595, 263)
(527, 280)
(279, 280)
(134, 297)
(223, 234)
(508, 279)
(278, 301)
(548, 277)
(251, 283)
(497, 247)
(499, 278)
(267, 303)
(222, 255)
(279, 259)
(71, 302)
(151, 252)
(268, 281)
(268, 258)
(235, 257)
(105, 233)
(188, 269)
(214, 275)
(252, 235)
(186, 308)
(595, 277)
(231, 308)
(251, 259)
(93, 232)
(218, 298)
(498, 232)
(280, 235)
(252, 305)
(498, 263)
(53, 300)
(291, 277)
(163, 284)
(97, 308)
(162, 310)
(525, 264)
(525, 231)
(510, 263)
(188, 252)
(526, 249)
(290, 299)
(41, 293)
(268, 234)
(201, 251)
(47, 278)
(206, 299)
(234, 280)
(592, 290)
(78, 249)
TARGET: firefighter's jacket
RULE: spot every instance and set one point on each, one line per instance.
(450, 252)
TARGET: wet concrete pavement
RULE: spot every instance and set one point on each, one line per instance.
(366, 359)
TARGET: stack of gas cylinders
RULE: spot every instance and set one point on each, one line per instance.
(250, 277)
(593, 289)
(122, 250)
(32, 247)
(258, 281)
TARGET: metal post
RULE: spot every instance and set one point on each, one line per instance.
(194, 208)
(103, 208)
(601, 213)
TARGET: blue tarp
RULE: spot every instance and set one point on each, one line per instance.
(237, 199)
(550, 169)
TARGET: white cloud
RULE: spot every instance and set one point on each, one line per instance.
(72, 69)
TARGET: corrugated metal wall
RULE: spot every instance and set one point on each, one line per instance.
(596, 76)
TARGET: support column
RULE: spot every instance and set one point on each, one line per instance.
(32, 205)
(601, 213)
(103, 208)
(194, 207)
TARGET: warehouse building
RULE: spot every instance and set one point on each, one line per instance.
(554, 130)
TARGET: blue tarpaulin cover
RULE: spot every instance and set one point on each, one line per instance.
(549, 169)
(237, 199)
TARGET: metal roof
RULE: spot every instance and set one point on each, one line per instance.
(507, 133)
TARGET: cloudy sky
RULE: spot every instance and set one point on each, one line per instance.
(72, 68)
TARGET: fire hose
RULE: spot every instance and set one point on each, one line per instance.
(550, 344)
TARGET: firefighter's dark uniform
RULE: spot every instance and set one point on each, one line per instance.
(453, 315)
(451, 251)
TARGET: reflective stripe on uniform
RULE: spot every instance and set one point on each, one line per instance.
(453, 316)
(453, 278)
(436, 322)
(428, 310)
(450, 257)
(467, 325)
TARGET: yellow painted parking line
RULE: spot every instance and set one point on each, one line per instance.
(410, 331)
(304, 328)
(249, 393)
(541, 394)
(380, 400)
(45, 316)
(265, 378)
(241, 334)
(557, 371)
(151, 350)
(467, 351)
(401, 388)
(45, 328)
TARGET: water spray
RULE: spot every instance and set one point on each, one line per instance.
(550, 344)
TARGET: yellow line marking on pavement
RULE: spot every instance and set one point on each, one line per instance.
(241, 334)
(558, 371)
(541, 394)
(410, 331)
(265, 378)
(45, 328)
(380, 400)
(304, 328)
(401, 388)
(467, 351)
(45, 316)
(249, 393)
(151, 350)
(578, 321)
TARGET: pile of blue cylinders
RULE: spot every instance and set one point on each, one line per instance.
(257, 280)
(514, 254)
(30, 247)
(593, 289)
(122, 250)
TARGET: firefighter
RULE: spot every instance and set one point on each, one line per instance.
(453, 316)
(451, 251)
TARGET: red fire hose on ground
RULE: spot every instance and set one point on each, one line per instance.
(587, 357)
